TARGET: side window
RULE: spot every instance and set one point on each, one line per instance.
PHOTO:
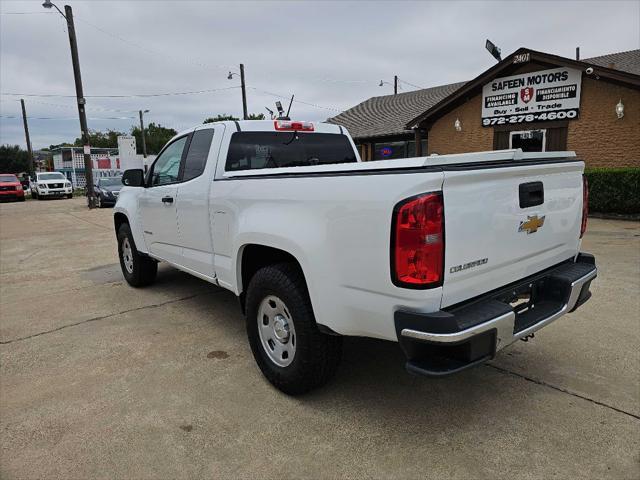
(197, 155)
(167, 166)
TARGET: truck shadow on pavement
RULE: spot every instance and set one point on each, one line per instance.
(369, 369)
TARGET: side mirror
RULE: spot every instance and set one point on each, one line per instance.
(133, 178)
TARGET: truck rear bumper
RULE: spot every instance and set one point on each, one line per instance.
(460, 337)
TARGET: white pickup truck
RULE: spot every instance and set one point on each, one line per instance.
(453, 256)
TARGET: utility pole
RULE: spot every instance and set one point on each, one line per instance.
(395, 84)
(88, 167)
(244, 93)
(144, 142)
(26, 135)
(577, 53)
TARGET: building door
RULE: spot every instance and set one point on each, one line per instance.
(528, 140)
(554, 137)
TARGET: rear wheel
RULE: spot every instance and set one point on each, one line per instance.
(138, 270)
(286, 343)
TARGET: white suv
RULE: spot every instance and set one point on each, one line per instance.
(51, 184)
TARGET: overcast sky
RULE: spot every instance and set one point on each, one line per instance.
(330, 54)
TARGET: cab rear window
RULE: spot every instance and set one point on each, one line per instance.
(256, 150)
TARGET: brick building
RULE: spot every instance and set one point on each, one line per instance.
(530, 100)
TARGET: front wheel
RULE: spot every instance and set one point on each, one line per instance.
(286, 343)
(70, 195)
(138, 270)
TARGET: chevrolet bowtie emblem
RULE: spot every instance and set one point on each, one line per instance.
(531, 224)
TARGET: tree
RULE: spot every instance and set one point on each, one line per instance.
(156, 137)
(13, 159)
(108, 139)
(224, 116)
(59, 145)
(220, 118)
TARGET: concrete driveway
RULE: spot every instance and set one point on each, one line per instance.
(99, 380)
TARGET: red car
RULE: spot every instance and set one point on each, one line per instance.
(10, 187)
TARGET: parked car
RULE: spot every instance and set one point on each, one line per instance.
(106, 190)
(454, 256)
(10, 188)
(50, 184)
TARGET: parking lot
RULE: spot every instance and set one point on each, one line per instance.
(99, 380)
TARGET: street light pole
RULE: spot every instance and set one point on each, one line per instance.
(88, 167)
(27, 137)
(395, 84)
(244, 93)
(245, 113)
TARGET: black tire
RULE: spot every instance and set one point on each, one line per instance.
(35, 195)
(70, 195)
(143, 269)
(21, 199)
(316, 356)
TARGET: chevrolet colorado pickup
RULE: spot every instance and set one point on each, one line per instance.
(454, 257)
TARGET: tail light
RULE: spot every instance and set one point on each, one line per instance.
(290, 126)
(585, 205)
(417, 242)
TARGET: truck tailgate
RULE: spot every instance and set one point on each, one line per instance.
(505, 223)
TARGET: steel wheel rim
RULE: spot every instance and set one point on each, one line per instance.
(276, 330)
(127, 255)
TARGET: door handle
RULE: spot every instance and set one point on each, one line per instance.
(531, 194)
(167, 199)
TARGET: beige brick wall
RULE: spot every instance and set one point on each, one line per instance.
(597, 136)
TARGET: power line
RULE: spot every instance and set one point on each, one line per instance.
(411, 84)
(296, 100)
(24, 13)
(198, 63)
(66, 118)
(138, 95)
(149, 50)
(97, 109)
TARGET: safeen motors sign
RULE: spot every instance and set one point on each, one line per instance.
(532, 97)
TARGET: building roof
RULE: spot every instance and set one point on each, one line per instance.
(390, 115)
(387, 115)
(81, 149)
(512, 62)
(624, 61)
